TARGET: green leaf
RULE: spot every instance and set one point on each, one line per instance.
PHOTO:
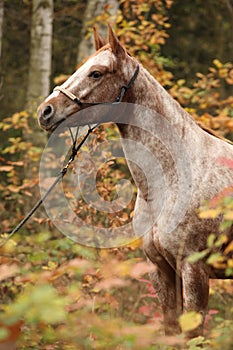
(38, 304)
(195, 342)
(210, 240)
(225, 225)
(3, 333)
(229, 272)
(197, 256)
(216, 257)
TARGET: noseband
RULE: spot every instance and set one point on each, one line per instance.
(119, 98)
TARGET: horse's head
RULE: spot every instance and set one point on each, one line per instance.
(99, 79)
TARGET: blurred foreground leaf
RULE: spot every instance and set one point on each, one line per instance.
(190, 321)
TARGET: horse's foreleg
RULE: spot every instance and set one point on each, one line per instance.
(167, 286)
(195, 292)
(168, 291)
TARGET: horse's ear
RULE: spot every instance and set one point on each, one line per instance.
(115, 44)
(99, 41)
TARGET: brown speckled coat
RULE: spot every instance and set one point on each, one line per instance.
(185, 156)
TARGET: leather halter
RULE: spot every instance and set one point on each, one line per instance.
(119, 98)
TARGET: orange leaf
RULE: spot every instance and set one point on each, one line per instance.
(140, 269)
(7, 271)
(110, 283)
(6, 168)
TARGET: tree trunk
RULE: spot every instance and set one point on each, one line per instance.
(38, 82)
(1, 25)
(1, 31)
(40, 50)
(94, 8)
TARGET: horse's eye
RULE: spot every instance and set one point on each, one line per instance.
(95, 75)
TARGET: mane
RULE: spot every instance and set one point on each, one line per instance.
(201, 125)
(212, 132)
(155, 83)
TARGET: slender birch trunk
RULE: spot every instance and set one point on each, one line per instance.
(1, 25)
(1, 35)
(94, 8)
(41, 50)
(38, 81)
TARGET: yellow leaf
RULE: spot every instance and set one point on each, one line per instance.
(221, 240)
(203, 105)
(223, 72)
(216, 260)
(215, 257)
(15, 118)
(228, 215)
(217, 63)
(229, 248)
(137, 243)
(210, 214)
(9, 246)
(211, 291)
(190, 321)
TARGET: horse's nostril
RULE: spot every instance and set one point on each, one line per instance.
(47, 112)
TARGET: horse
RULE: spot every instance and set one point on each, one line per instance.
(112, 74)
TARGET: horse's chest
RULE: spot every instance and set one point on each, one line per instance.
(188, 237)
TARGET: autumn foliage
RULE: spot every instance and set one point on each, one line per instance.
(56, 294)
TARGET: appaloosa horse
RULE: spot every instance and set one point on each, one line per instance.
(109, 73)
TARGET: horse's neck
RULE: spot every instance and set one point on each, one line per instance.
(167, 153)
(158, 99)
(149, 93)
(165, 131)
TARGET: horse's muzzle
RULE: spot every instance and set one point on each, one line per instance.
(46, 115)
(45, 112)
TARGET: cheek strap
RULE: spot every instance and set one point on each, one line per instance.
(118, 99)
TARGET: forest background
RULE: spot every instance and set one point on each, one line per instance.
(56, 294)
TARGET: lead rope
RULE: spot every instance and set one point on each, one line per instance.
(60, 175)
